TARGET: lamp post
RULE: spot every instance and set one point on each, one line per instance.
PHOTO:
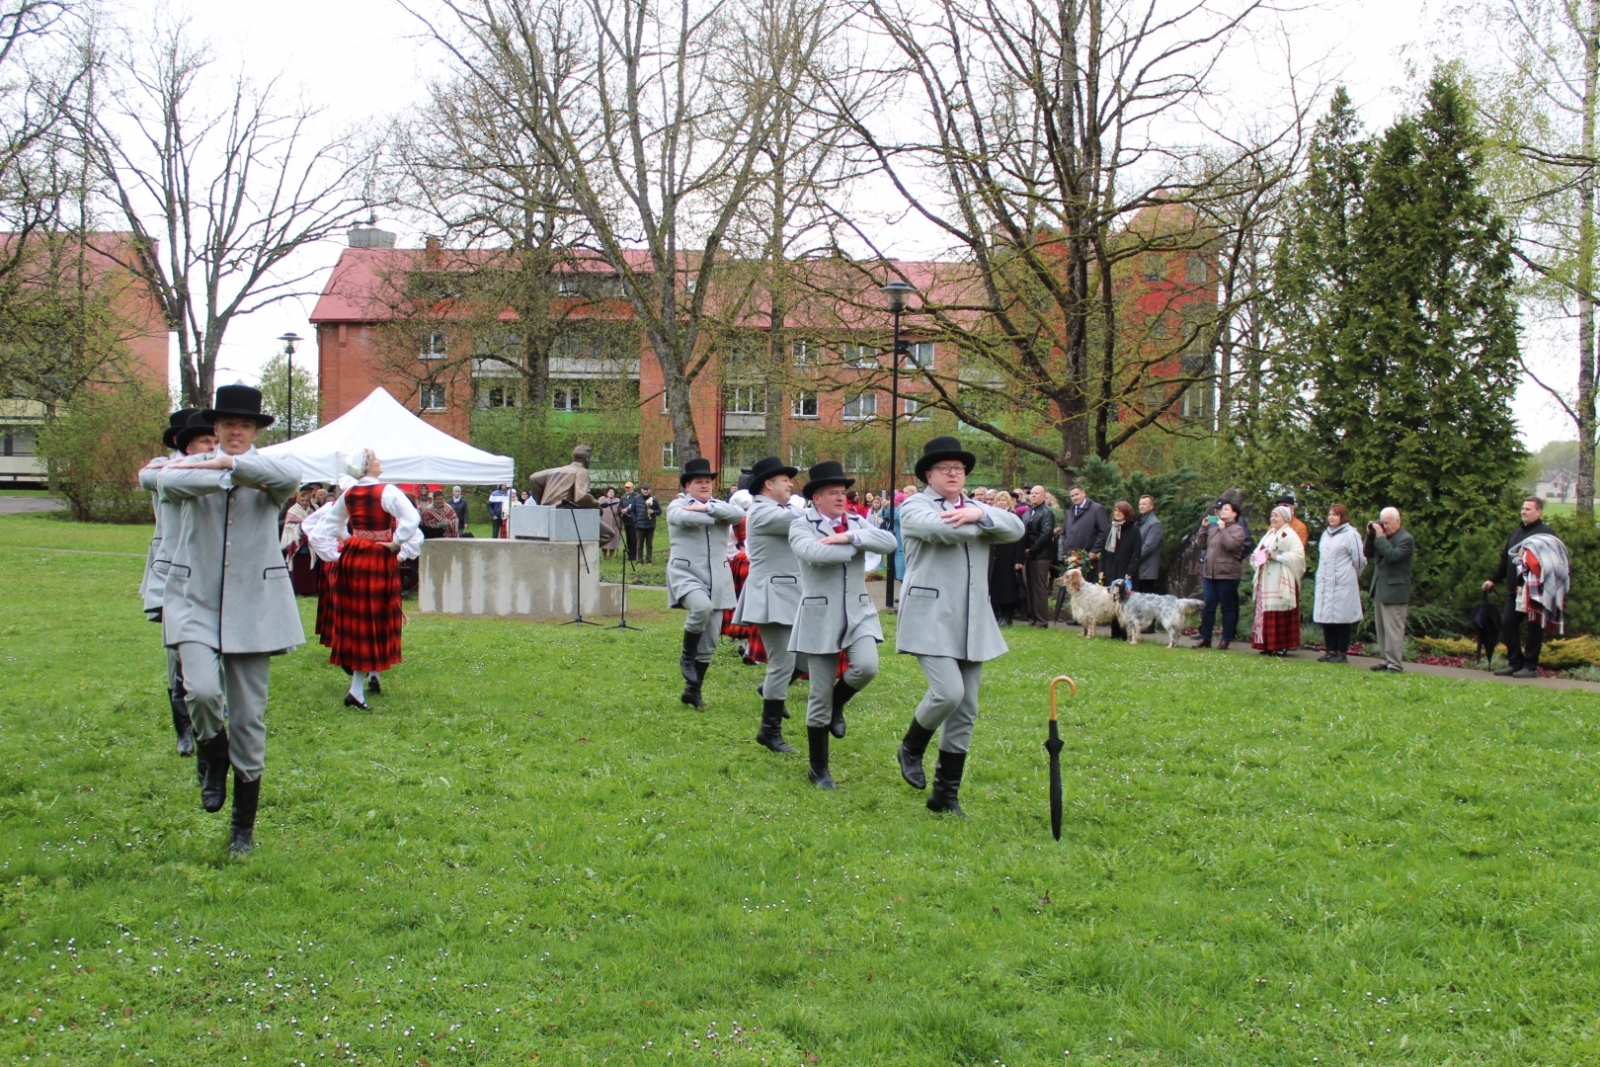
(895, 294)
(289, 340)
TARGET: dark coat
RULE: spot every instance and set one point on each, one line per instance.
(1505, 576)
(1039, 534)
(1391, 577)
(460, 508)
(1123, 561)
(1151, 534)
(1086, 531)
(1224, 548)
(644, 510)
(1005, 582)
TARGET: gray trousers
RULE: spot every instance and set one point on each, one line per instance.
(863, 657)
(951, 701)
(699, 622)
(1038, 572)
(780, 661)
(1390, 622)
(231, 691)
(174, 674)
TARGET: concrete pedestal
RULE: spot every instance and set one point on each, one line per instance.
(514, 579)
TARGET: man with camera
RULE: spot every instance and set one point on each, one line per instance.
(1391, 548)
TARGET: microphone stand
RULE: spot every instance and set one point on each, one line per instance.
(622, 623)
(577, 579)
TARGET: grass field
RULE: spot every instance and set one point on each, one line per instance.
(531, 853)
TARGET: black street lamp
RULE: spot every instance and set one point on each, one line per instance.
(289, 340)
(895, 293)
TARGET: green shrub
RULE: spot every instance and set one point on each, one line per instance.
(95, 449)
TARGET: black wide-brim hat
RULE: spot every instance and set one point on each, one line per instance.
(695, 468)
(770, 467)
(197, 426)
(828, 472)
(238, 402)
(175, 422)
(940, 449)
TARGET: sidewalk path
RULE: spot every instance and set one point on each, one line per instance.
(21, 505)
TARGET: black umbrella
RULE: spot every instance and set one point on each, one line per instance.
(1054, 746)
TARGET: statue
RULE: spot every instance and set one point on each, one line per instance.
(564, 487)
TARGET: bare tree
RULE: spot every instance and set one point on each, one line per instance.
(656, 141)
(220, 188)
(1048, 151)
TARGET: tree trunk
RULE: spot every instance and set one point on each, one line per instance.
(1585, 278)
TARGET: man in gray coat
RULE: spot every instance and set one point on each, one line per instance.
(182, 440)
(1393, 548)
(836, 614)
(1150, 537)
(945, 620)
(698, 577)
(229, 603)
(771, 593)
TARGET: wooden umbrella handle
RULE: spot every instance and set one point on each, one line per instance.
(1072, 688)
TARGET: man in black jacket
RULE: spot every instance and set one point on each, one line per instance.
(1039, 552)
(1084, 529)
(1522, 656)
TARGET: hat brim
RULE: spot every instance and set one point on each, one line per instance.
(758, 480)
(968, 460)
(822, 483)
(169, 436)
(685, 479)
(183, 437)
(261, 421)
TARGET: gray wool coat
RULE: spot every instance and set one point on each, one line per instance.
(153, 587)
(700, 551)
(227, 585)
(1340, 562)
(835, 609)
(944, 608)
(771, 592)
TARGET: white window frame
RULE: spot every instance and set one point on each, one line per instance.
(798, 403)
(915, 351)
(913, 410)
(1197, 265)
(428, 392)
(746, 400)
(435, 346)
(567, 398)
(859, 402)
(669, 455)
(805, 353)
(856, 355)
(801, 455)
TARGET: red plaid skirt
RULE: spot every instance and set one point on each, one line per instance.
(366, 597)
(740, 566)
(1279, 630)
(326, 574)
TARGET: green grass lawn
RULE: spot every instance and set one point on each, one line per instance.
(531, 853)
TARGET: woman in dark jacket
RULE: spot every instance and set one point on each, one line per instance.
(1124, 551)
(1005, 571)
(1225, 541)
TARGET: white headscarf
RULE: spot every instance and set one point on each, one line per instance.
(355, 464)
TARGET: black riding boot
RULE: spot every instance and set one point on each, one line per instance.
(947, 783)
(694, 672)
(771, 732)
(211, 761)
(841, 696)
(246, 795)
(912, 747)
(817, 736)
(181, 724)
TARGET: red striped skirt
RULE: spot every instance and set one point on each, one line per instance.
(366, 608)
(326, 575)
(1278, 630)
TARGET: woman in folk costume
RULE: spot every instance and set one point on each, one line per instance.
(296, 550)
(327, 569)
(1280, 563)
(945, 618)
(382, 527)
(836, 614)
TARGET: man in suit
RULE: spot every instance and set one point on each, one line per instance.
(1392, 549)
(184, 434)
(229, 605)
(1039, 553)
(948, 535)
(698, 576)
(646, 509)
(836, 614)
(1084, 529)
(1522, 655)
(771, 593)
(1151, 535)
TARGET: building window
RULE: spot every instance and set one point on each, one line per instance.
(804, 405)
(857, 459)
(566, 398)
(435, 346)
(747, 400)
(497, 395)
(1197, 272)
(1156, 327)
(861, 406)
(669, 455)
(1155, 267)
(805, 354)
(919, 355)
(913, 410)
(858, 356)
(801, 455)
(431, 395)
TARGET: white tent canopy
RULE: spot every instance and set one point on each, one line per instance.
(411, 450)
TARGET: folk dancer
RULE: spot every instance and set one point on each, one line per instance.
(945, 619)
(327, 570)
(830, 544)
(367, 531)
(771, 592)
(152, 588)
(698, 576)
(230, 605)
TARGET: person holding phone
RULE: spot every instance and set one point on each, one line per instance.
(1224, 539)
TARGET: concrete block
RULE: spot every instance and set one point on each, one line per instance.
(512, 579)
(535, 522)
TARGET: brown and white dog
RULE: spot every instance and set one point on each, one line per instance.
(1091, 604)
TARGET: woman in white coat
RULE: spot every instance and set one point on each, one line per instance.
(1280, 562)
(1337, 606)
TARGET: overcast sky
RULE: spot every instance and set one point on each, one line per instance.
(364, 61)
